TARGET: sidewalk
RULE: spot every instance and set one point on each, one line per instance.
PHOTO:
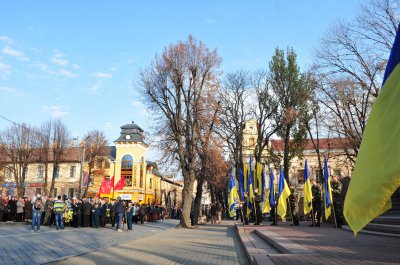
(327, 245)
(209, 244)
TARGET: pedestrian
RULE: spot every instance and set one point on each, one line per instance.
(213, 212)
(2, 207)
(316, 204)
(257, 204)
(103, 213)
(95, 215)
(20, 210)
(136, 212)
(219, 212)
(294, 205)
(58, 211)
(336, 186)
(119, 213)
(48, 209)
(86, 209)
(112, 213)
(244, 209)
(12, 209)
(77, 212)
(36, 212)
(130, 212)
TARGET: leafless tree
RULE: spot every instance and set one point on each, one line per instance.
(96, 149)
(60, 138)
(18, 143)
(350, 61)
(234, 114)
(173, 87)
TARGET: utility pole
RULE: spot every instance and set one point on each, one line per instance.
(82, 170)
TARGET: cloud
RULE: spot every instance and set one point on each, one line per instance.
(40, 65)
(102, 75)
(14, 53)
(66, 73)
(6, 39)
(210, 20)
(113, 69)
(10, 90)
(94, 88)
(5, 68)
(54, 110)
(76, 66)
(137, 103)
(59, 58)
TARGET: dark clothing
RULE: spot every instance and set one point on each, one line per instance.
(294, 205)
(258, 213)
(129, 217)
(112, 214)
(12, 210)
(28, 209)
(96, 217)
(77, 214)
(103, 214)
(86, 209)
(337, 202)
(244, 210)
(316, 205)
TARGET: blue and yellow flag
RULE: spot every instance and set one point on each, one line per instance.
(246, 177)
(271, 189)
(307, 203)
(241, 184)
(233, 194)
(250, 206)
(262, 184)
(283, 194)
(266, 206)
(377, 170)
(327, 191)
(259, 175)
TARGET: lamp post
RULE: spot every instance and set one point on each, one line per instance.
(82, 165)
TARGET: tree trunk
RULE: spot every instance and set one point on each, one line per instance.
(46, 176)
(197, 200)
(53, 178)
(187, 200)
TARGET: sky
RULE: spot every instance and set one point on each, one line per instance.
(79, 61)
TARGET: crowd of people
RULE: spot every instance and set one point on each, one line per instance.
(86, 212)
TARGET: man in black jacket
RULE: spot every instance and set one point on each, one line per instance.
(77, 212)
(86, 208)
(119, 213)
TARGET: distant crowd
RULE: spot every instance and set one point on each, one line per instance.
(86, 212)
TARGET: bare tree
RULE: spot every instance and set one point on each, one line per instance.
(234, 114)
(350, 61)
(96, 149)
(60, 138)
(173, 87)
(44, 147)
(19, 143)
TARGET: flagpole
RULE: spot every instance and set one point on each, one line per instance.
(334, 215)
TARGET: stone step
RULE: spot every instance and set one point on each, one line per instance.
(375, 233)
(387, 219)
(384, 228)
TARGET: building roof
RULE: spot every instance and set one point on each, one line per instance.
(131, 126)
(71, 154)
(324, 144)
(131, 133)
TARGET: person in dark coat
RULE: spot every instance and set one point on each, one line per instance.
(86, 209)
(112, 212)
(12, 209)
(119, 213)
(103, 213)
(129, 216)
(28, 209)
(77, 212)
(95, 215)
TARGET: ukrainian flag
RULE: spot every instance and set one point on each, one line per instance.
(307, 191)
(328, 191)
(233, 194)
(259, 176)
(377, 170)
(283, 194)
(271, 189)
(241, 184)
(250, 206)
(267, 206)
(246, 177)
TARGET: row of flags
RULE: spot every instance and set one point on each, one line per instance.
(107, 185)
(271, 199)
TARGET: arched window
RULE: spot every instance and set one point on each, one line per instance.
(126, 169)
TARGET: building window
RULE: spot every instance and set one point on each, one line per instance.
(57, 169)
(38, 190)
(251, 141)
(72, 172)
(126, 169)
(150, 183)
(300, 176)
(99, 164)
(40, 171)
(107, 164)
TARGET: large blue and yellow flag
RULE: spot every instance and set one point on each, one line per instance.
(233, 194)
(377, 170)
(241, 184)
(259, 175)
(327, 191)
(266, 206)
(307, 203)
(250, 189)
(271, 189)
(246, 177)
(283, 194)
(262, 184)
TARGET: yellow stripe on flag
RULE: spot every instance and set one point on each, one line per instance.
(307, 197)
(282, 202)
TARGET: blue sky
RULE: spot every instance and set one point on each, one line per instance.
(79, 60)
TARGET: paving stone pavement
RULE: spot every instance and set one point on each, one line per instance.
(337, 246)
(209, 244)
(18, 245)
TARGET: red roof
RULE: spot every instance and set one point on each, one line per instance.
(324, 143)
(71, 154)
